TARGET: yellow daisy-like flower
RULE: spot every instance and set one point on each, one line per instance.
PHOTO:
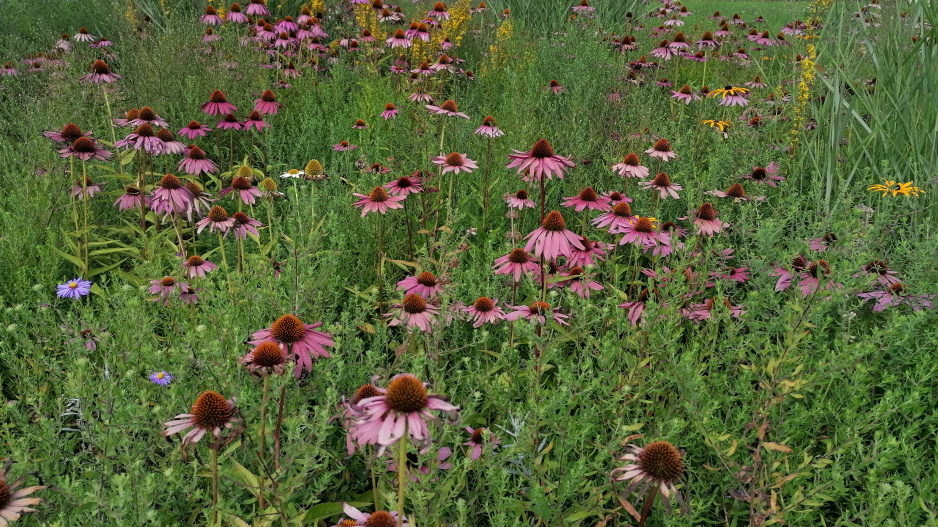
(728, 91)
(722, 125)
(905, 189)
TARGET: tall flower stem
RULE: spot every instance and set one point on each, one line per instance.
(485, 188)
(107, 106)
(514, 298)
(178, 229)
(265, 399)
(410, 238)
(543, 269)
(221, 247)
(649, 501)
(380, 269)
(401, 475)
(240, 255)
(84, 211)
(283, 396)
(215, 487)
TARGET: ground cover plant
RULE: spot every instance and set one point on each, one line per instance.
(506, 263)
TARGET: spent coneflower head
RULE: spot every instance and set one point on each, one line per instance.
(100, 74)
(661, 150)
(299, 340)
(552, 239)
(218, 104)
(658, 464)
(540, 161)
(211, 413)
(378, 200)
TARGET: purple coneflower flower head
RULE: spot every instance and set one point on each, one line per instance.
(244, 224)
(685, 95)
(756, 82)
(294, 336)
(538, 312)
(516, 263)
(663, 51)
(881, 271)
(398, 40)
(100, 74)
(657, 464)
(267, 104)
(552, 239)
(583, 8)
(704, 311)
(707, 41)
(661, 150)
(736, 192)
(404, 409)
(211, 413)
(230, 122)
(257, 8)
(540, 161)
(823, 243)
(218, 104)
(425, 284)
(147, 115)
(216, 220)
(455, 163)
(439, 11)
(268, 358)
(195, 162)
(554, 86)
(448, 109)
(102, 43)
(83, 35)
(640, 231)
(663, 184)
(731, 96)
(588, 255)
(484, 311)
(85, 148)
(768, 175)
(343, 146)
(630, 167)
(588, 199)
(194, 129)
(161, 378)
(142, 138)
(422, 32)
(171, 196)
(420, 97)
(15, 502)
(446, 44)
(210, 35)
(211, 17)
(75, 288)
(615, 197)
(360, 124)
(287, 24)
(200, 204)
(581, 283)
(894, 295)
(636, 308)
(617, 219)
(519, 200)
(164, 288)
(413, 311)
(477, 442)
(404, 186)
(390, 111)
(86, 188)
(374, 519)
(243, 189)
(488, 128)
(705, 218)
(443, 63)
(378, 200)
(69, 134)
(196, 267)
(359, 433)
(131, 199)
(235, 16)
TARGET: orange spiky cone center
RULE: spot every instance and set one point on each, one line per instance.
(644, 225)
(378, 194)
(268, 96)
(288, 329)
(662, 461)
(217, 214)
(521, 194)
(144, 130)
(449, 105)
(488, 121)
(388, 107)
(168, 281)
(554, 222)
(706, 212)
(414, 304)
(240, 183)
(170, 182)
(268, 355)
(211, 410)
(662, 145)
(241, 218)
(426, 278)
(365, 391)
(622, 210)
(196, 153)
(380, 519)
(736, 191)
(539, 308)
(661, 180)
(218, 96)
(542, 149)
(484, 304)
(406, 394)
(100, 67)
(71, 132)
(518, 256)
(686, 90)
(165, 135)
(399, 34)
(360, 123)
(83, 145)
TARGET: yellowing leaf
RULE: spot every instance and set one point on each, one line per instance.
(778, 447)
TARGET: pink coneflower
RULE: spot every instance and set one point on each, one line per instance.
(375, 519)
(616, 220)
(211, 17)
(287, 24)
(812, 276)
(539, 161)
(196, 267)
(443, 63)
(477, 442)
(398, 40)
(661, 150)
(403, 409)
(257, 8)
(201, 201)
(519, 200)
(768, 175)
(662, 183)
(823, 243)
(641, 232)
(704, 311)
(210, 36)
(9, 68)
(663, 51)
(170, 196)
(170, 144)
(244, 224)
(83, 35)
(147, 115)
(422, 32)
(218, 104)
(485, 311)
(242, 187)
(591, 252)
(420, 97)
(615, 197)
(165, 288)
(736, 192)
(895, 295)
(488, 128)
(360, 124)
(404, 186)
(196, 162)
(580, 283)
(378, 200)
(707, 41)
(216, 220)
(439, 11)
(86, 189)
(211, 412)
(131, 199)
(554, 86)
(552, 239)
(144, 139)
(194, 129)
(636, 308)
(881, 271)
(100, 74)
(756, 83)
(663, 83)
(70, 133)
(589, 200)
(583, 8)
(630, 167)
(705, 218)
(455, 163)
(267, 104)
(516, 263)
(446, 44)
(658, 464)
(448, 109)
(235, 16)
(343, 146)
(390, 111)
(85, 148)
(255, 120)
(685, 95)
(425, 284)
(102, 43)
(538, 312)
(268, 358)
(230, 122)
(13, 499)
(413, 311)
(295, 337)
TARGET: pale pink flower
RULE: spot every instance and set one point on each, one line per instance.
(538, 312)
(662, 183)
(630, 167)
(448, 109)
(425, 284)
(589, 200)
(413, 311)
(485, 311)
(519, 200)
(661, 150)
(552, 239)
(455, 163)
(516, 263)
(539, 161)
(378, 201)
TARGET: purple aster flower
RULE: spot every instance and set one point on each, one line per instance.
(75, 288)
(161, 378)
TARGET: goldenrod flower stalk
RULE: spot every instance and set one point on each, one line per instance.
(804, 94)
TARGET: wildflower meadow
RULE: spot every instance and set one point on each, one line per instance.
(468, 263)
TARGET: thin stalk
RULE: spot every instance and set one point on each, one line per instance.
(649, 501)
(240, 255)
(84, 211)
(380, 269)
(283, 396)
(221, 247)
(485, 189)
(107, 105)
(410, 238)
(215, 487)
(261, 439)
(401, 476)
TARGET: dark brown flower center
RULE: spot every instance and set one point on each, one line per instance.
(897, 288)
(553, 84)
(759, 173)
(576, 271)
(404, 182)
(484, 304)
(518, 256)
(406, 394)
(380, 519)
(542, 149)
(365, 391)
(83, 145)
(235, 8)
(196, 153)
(644, 225)
(422, 28)
(194, 125)
(288, 329)
(389, 107)
(829, 238)
(426, 278)
(444, 60)
(210, 10)
(414, 304)
(195, 261)
(622, 210)
(554, 222)
(268, 96)
(661, 461)
(876, 267)
(70, 132)
(449, 105)
(615, 196)
(194, 188)
(255, 116)
(661, 180)
(377, 4)
(343, 143)
(211, 410)
(378, 194)
(454, 160)
(165, 135)
(736, 191)
(755, 121)
(100, 67)
(643, 296)
(360, 123)
(707, 36)
(82, 31)
(132, 191)
(476, 436)
(521, 194)
(680, 37)
(217, 214)
(144, 130)
(241, 218)
(662, 145)
(147, 114)
(170, 182)
(268, 355)
(706, 212)
(439, 7)
(488, 121)
(668, 226)
(400, 34)
(240, 183)
(539, 308)
(218, 96)
(168, 281)
(588, 194)
(686, 90)
(799, 263)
